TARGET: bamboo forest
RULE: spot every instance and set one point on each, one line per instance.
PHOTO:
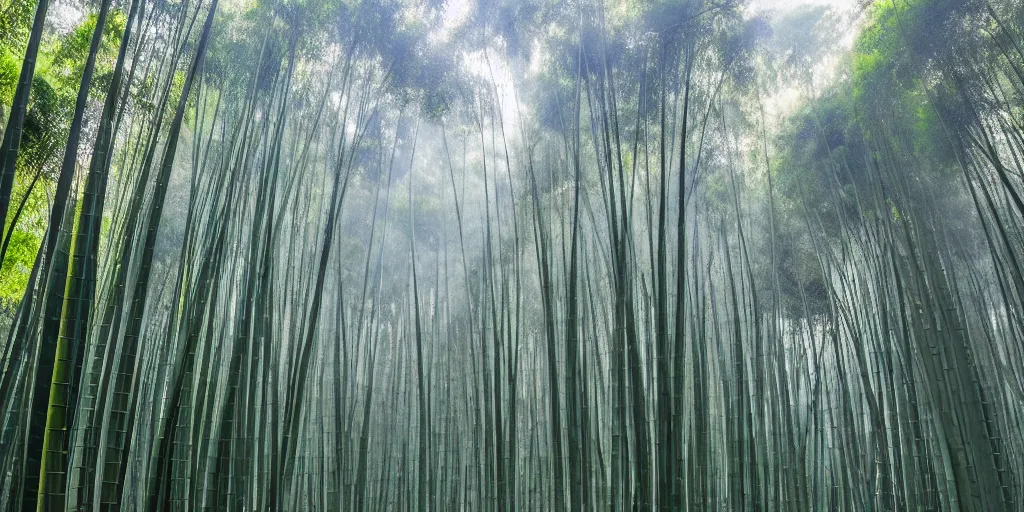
(498, 255)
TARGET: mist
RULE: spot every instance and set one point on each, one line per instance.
(510, 255)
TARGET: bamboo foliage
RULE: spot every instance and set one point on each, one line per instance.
(377, 256)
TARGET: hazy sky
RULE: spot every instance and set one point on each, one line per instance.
(787, 4)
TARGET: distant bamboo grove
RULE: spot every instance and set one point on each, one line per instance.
(496, 255)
